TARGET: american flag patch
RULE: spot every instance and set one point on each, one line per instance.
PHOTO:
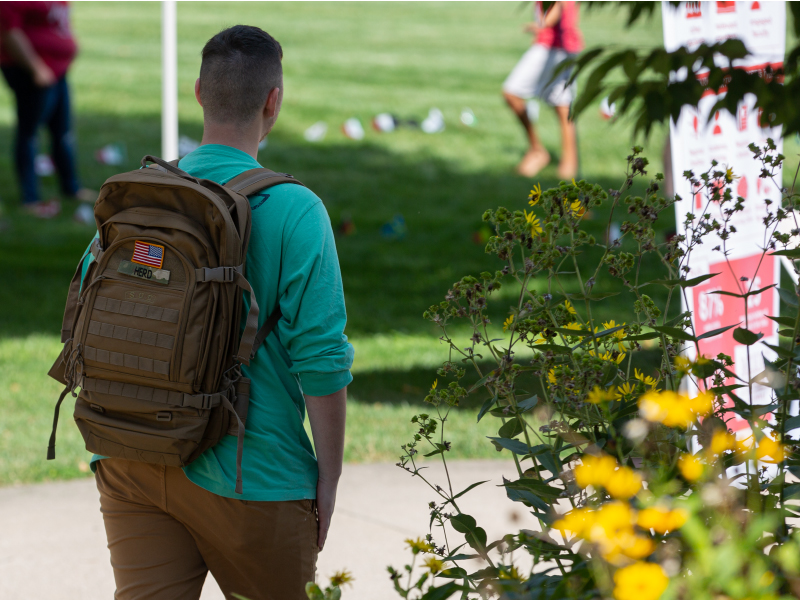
(151, 255)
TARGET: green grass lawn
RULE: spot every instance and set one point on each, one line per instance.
(341, 60)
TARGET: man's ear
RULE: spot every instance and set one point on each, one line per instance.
(197, 91)
(273, 104)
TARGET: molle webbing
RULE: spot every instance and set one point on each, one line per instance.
(136, 309)
(130, 334)
(129, 361)
(142, 392)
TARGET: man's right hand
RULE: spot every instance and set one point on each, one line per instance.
(43, 75)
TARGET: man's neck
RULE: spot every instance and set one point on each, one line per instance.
(245, 139)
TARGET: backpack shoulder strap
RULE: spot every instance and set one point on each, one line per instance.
(265, 330)
(255, 180)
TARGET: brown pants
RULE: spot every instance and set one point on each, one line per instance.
(165, 533)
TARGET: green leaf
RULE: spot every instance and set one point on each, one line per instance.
(442, 592)
(468, 488)
(792, 423)
(650, 335)
(480, 382)
(724, 293)
(474, 535)
(554, 348)
(527, 404)
(537, 486)
(527, 497)
(793, 253)
(510, 429)
(745, 336)
(676, 333)
(684, 283)
(789, 297)
(456, 572)
(714, 332)
(791, 490)
(785, 321)
(515, 446)
(486, 407)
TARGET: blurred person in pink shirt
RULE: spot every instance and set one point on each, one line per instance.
(556, 37)
(36, 50)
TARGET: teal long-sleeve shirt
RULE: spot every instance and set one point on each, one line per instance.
(291, 262)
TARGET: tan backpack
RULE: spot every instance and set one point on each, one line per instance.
(152, 336)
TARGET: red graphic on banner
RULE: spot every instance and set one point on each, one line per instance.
(726, 7)
(717, 128)
(741, 123)
(755, 5)
(741, 189)
(714, 311)
(693, 10)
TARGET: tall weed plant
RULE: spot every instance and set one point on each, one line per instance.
(630, 475)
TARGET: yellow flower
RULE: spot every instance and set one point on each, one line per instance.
(647, 380)
(533, 221)
(661, 519)
(574, 325)
(702, 403)
(433, 564)
(510, 573)
(690, 467)
(682, 364)
(744, 446)
(575, 207)
(551, 376)
(540, 340)
(640, 581)
(340, 578)
(598, 395)
(419, 545)
(569, 307)
(435, 383)
(535, 195)
(637, 547)
(626, 389)
(674, 409)
(612, 530)
(594, 470)
(573, 182)
(772, 448)
(623, 483)
(507, 323)
(729, 176)
(609, 356)
(720, 442)
(577, 521)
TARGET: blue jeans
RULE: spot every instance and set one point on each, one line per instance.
(37, 106)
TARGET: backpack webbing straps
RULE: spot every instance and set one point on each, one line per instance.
(74, 293)
(256, 180)
(265, 330)
(239, 443)
(234, 275)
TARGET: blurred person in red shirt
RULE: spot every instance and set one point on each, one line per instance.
(36, 50)
(556, 38)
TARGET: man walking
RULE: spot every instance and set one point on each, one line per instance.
(166, 526)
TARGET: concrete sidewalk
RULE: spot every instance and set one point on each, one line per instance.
(52, 541)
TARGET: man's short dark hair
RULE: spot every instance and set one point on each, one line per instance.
(241, 65)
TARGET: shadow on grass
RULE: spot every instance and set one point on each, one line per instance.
(388, 282)
(410, 386)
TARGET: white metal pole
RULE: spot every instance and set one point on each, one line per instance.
(169, 80)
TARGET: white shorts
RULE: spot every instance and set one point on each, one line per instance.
(531, 76)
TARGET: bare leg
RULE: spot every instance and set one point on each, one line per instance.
(537, 157)
(568, 167)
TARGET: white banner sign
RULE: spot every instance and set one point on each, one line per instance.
(696, 140)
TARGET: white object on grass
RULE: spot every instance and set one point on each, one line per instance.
(434, 122)
(316, 133)
(468, 117)
(607, 111)
(384, 123)
(353, 129)
(84, 214)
